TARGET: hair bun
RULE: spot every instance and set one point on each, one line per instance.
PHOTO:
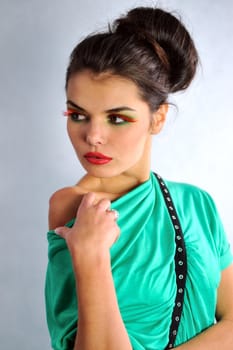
(169, 39)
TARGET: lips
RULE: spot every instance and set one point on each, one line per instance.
(97, 158)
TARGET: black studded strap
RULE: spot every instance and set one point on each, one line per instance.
(180, 263)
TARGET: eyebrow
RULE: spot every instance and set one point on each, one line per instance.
(117, 109)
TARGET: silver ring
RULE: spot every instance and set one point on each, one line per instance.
(115, 212)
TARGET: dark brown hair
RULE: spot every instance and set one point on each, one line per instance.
(149, 46)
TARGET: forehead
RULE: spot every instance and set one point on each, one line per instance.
(104, 89)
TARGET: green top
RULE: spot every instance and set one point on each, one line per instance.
(143, 269)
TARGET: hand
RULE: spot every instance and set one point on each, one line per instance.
(95, 228)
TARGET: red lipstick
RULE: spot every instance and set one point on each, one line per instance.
(97, 158)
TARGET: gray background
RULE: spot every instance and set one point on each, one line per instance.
(36, 38)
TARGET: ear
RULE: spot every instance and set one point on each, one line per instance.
(159, 118)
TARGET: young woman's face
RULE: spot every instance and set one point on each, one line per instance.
(108, 124)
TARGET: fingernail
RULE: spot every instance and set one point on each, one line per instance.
(57, 230)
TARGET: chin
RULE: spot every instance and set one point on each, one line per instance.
(100, 171)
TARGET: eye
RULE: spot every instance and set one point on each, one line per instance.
(117, 119)
(75, 116)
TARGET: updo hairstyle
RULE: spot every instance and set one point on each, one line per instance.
(149, 46)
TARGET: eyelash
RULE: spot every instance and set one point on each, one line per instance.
(74, 115)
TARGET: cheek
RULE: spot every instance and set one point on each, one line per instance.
(73, 133)
(73, 137)
(132, 141)
(69, 129)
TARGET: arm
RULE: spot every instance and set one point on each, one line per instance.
(219, 336)
(100, 325)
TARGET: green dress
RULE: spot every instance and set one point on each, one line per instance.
(142, 262)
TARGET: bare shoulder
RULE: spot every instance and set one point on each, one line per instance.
(63, 205)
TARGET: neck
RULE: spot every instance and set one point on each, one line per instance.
(117, 185)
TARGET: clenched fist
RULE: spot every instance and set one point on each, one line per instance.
(95, 228)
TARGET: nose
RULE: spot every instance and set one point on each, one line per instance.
(95, 135)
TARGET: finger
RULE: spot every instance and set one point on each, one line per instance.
(118, 235)
(103, 204)
(62, 231)
(114, 213)
(88, 200)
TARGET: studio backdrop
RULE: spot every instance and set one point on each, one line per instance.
(196, 146)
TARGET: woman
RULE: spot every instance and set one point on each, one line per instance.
(145, 264)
